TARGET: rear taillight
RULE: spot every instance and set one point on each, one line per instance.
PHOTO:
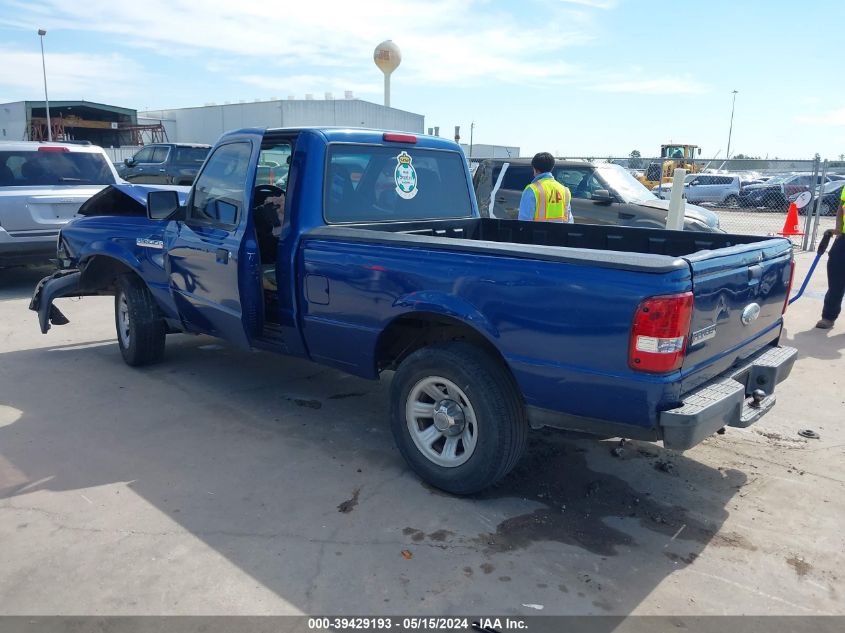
(659, 333)
(399, 138)
(52, 148)
(789, 286)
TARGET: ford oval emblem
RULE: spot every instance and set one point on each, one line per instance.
(750, 313)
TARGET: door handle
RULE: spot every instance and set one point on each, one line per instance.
(162, 170)
(222, 256)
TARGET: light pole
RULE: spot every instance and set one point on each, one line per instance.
(471, 129)
(41, 34)
(731, 128)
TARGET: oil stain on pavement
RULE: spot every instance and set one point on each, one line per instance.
(577, 501)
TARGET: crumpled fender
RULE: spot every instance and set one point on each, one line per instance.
(108, 248)
(60, 284)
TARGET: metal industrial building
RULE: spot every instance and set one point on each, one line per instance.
(206, 123)
(101, 124)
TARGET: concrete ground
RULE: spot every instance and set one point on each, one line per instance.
(227, 482)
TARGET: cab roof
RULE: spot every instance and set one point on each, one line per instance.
(357, 135)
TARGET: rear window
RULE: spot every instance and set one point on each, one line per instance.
(370, 183)
(517, 177)
(191, 155)
(33, 169)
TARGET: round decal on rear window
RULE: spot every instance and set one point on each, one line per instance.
(405, 176)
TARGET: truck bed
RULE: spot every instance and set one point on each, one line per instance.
(561, 317)
(622, 247)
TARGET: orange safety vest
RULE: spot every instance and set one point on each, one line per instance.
(551, 200)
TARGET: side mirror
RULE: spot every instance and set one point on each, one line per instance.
(602, 196)
(164, 205)
(129, 162)
(699, 151)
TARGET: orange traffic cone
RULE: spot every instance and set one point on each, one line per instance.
(790, 227)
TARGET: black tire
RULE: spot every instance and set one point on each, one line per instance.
(826, 208)
(502, 425)
(141, 340)
(731, 201)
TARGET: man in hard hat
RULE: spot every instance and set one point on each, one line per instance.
(835, 272)
(545, 199)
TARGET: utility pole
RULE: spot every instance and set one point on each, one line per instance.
(41, 34)
(471, 128)
(731, 128)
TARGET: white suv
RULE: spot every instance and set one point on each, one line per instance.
(42, 186)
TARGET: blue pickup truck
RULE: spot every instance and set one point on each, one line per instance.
(377, 260)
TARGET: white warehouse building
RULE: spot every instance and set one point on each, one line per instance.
(205, 124)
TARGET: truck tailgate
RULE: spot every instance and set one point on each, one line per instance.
(739, 295)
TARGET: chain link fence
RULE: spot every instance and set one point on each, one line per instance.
(749, 195)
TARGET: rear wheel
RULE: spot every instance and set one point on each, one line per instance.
(732, 201)
(141, 331)
(457, 417)
(826, 208)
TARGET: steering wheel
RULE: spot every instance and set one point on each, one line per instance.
(262, 192)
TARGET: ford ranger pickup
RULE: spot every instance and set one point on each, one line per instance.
(373, 259)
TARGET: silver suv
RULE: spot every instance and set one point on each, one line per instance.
(41, 188)
(718, 189)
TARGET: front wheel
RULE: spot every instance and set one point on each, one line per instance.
(140, 329)
(826, 208)
(457, 417)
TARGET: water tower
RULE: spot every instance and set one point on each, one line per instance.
(387, 57)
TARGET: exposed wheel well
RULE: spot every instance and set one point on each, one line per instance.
(411, 332)
(100, 273)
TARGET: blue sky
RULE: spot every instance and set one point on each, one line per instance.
(575, 77)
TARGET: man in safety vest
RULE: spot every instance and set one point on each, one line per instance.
(835, 272)
(545, 199)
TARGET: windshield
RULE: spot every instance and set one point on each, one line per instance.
(624, 184)
(45, 168)
(370, 183)
(675, 151)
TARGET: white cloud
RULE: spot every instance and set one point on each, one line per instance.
(597, 4)
(70, 75)
(300, 85)
(442, 41)
(684, 85)
(832, 117)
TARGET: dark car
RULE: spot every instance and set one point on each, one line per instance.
(775, 192)
(165, 164)
(602, 193)
(831, 195)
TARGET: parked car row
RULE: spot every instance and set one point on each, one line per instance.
(770, 192)
(775, 193)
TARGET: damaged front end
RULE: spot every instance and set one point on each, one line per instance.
(62, 283)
